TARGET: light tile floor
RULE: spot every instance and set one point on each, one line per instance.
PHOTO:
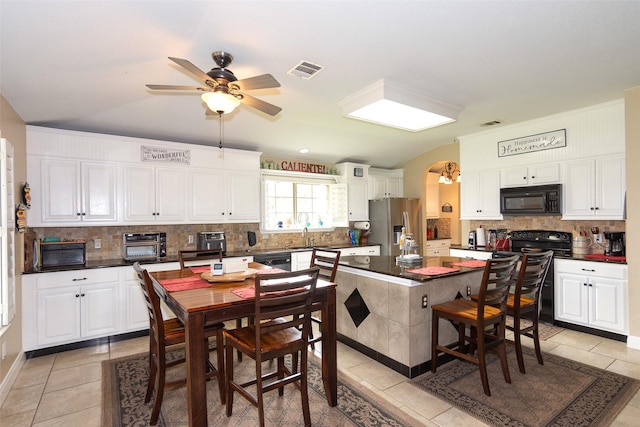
(64, 389)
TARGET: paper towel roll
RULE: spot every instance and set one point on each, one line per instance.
(363, 225)
(481, 237)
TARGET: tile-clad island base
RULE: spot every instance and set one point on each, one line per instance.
(380, 308)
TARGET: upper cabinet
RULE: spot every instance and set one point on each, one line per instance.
(595, 188)
(385, 183)
(154, 194)
(433, 195)
(85, 179)
(355, 176)
(68, 191)
(548, 173)
(480, 195)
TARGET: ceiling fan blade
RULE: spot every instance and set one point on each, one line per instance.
(172, 87)
(187, 65)
(264, 81)
(261, 105)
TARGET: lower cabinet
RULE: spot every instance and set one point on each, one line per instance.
(71, 306)
(438, 247)
(373, 250)
(300, 260)
(592, 294)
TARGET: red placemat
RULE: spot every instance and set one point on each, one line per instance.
(250, 292)
(432, 271)
(470, 264)
(198, 269)
(184, 284)
(271, 270)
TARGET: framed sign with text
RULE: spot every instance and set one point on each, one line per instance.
(533, 143)
(165, 155)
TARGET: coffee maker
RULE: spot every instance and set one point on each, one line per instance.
(615, 244)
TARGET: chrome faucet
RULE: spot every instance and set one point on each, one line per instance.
(305, 234)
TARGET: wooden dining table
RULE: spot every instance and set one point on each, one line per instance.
(217, 303)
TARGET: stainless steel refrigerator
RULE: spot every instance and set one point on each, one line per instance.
(388, 216)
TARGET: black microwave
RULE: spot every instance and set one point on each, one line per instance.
(536, 200)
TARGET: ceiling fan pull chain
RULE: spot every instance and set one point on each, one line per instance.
(221, 129)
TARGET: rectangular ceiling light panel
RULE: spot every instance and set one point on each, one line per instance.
(391, 104)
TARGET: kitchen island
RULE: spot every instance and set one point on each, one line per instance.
(384, 310)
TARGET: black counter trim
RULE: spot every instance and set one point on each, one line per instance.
(591, 331)
(83, 344)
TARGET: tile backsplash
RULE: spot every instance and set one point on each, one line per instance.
(178, 237)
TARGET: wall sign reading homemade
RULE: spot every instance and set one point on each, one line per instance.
(532, 143)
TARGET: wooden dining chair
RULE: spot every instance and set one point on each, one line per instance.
(190, 258)
(480, 317)
(327, 262)
(166, 333)
(282, 323)
(524, 303)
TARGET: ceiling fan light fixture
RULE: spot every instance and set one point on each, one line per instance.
(392, 104)
(219, 101)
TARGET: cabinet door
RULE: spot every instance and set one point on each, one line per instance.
(60, 181)
(433, 195)
(58, 315)
(378, 188)
(137, 317)
(339, 205)
(607, 304)
(170, 195)
(140, 193)
(548, 173)
(300, 260)
(243, 196)
(610, 187)
(571, 298)
(514, 177)
(99, 308)
(207, 201)
(395, 187)
(579, 189)
(358, 201)
(480, 195)
(99, 192)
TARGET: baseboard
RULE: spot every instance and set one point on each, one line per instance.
(633, 342)
(11, 376)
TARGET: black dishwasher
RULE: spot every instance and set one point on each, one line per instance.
(281, 260)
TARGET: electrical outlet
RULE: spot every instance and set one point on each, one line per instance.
(191, 238)
(97, 243)
(425, 301)
(597, 238)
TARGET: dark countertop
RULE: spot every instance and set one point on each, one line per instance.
(387, 265)
(106, 263)
(573, 257)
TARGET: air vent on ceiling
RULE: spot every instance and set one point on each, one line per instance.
(491, 123)
(305, 70)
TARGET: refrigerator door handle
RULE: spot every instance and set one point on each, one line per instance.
(405, 222)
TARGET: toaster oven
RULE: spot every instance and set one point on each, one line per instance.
(144, 246)
(59, 254)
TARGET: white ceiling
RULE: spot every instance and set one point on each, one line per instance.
(84, 66)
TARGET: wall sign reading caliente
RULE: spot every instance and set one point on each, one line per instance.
(532, 143)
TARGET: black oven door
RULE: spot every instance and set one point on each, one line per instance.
(523, 203)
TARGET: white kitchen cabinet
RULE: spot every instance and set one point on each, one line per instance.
(69, 306)
(300, 260)
(433, 195)
(373, 250)
(218, 195)
(358, 201)
(355, 176)
(385, 183)
(69, 191)
(595, 188)
(592, 294)
(470, 253)
(154, 194)
(548, 173)
(480, 195)
(438, 247)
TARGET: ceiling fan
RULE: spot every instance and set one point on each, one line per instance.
(222, 90)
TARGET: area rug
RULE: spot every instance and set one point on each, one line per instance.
(559, 393)
(124, 383)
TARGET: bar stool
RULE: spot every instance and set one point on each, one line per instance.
(480, 316)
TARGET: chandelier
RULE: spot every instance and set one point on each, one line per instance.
(450, 173)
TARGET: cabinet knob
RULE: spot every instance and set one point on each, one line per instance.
(78, 214)
(83, 214)
(584, 284)
(77, 295)
(524, 177)
(77, 280)
(82, 294)
(533, 177)
(597, 208)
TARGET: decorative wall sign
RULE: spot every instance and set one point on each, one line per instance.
(165, 155)
(532, 143)
(447, 207)
(296, 166)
